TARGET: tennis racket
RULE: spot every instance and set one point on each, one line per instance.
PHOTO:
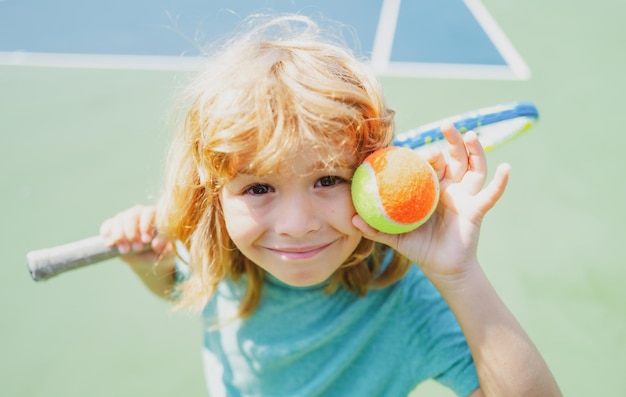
(493, 125)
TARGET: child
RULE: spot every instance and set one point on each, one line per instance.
(298, 295)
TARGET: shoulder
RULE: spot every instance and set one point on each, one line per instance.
(438, 333)
(423, 311)
(416, 288)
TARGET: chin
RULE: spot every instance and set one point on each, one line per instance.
(303, 280)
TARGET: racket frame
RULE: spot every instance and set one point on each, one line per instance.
(482, 121)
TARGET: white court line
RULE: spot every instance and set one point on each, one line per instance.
(385, 33)
(499, 39)
(100, 61)
(516, 68)
(449, 71)
(187, 63)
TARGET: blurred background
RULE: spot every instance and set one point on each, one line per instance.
(80, 142)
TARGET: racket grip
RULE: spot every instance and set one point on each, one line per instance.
(49, 262)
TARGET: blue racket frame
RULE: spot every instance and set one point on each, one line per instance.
(431, 133)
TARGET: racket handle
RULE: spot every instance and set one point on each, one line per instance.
(49, 262)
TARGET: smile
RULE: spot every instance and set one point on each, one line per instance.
(299, 253)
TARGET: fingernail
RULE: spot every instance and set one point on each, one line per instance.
(137, 247)
(146, 238)
(448, 127)
(123, 248)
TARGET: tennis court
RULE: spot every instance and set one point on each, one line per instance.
(78, 143)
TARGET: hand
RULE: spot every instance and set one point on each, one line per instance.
(447, 243)
(131, 230)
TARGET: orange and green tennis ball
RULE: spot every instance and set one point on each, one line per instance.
(394, 190)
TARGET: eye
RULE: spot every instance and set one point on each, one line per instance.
(329, 180)
(258, 189)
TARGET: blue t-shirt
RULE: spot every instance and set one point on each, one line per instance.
(304, 342)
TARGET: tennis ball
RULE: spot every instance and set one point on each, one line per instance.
(395, 190)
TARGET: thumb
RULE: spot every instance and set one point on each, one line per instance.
(375, 235)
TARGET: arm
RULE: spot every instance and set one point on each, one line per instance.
(507, 362)
(131, 230)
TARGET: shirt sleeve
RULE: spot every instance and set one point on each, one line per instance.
(440, 337)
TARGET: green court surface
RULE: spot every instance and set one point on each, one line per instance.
(78, 145)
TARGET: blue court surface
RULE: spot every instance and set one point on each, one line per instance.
(86, 97)
(446, 38)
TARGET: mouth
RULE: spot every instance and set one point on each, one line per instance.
(299, 253)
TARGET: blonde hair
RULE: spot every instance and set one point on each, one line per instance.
(261, 98)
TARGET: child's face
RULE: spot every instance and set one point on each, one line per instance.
(296, 224)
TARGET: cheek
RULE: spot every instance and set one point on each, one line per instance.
(347, 205)
(240, 223)
(342, 211)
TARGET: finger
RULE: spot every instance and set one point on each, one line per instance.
(373, 234)
(458, 161)
(437, 160)
(105, 232)
(161, 245)
(489, 196)
(366, 229)
(146, 224)
(476, 176)
(117, 236)
(130, 226)
(476, 153)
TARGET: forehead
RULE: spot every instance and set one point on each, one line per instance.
(301, 161)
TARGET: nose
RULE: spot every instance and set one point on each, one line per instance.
(296, 215)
